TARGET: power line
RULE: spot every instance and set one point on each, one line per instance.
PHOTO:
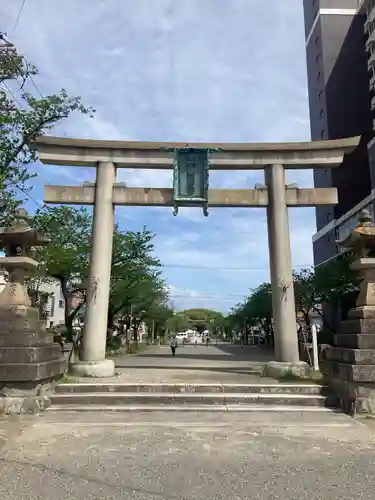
(24, 191)
(210, 268)
(12, 94)
(18, 15)
(30, 77)
(36, 86)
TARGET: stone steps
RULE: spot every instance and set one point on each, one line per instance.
(84, 388)
(198, 397)
(190, 408)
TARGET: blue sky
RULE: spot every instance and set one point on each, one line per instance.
(189, 70)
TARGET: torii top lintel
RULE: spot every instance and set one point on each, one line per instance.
(226, 156)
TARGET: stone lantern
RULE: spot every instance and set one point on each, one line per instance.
(29, 360)
(349, 365)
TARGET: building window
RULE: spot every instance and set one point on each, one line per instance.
(322, 134)
(318, 57)
(321, 114)
(316, 39)
(61, 304)
(320, 94)
(318, 76)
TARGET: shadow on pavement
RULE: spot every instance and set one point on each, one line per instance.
(234, 350)
(230, 354)
(242, 371)
(234, 359)
(208, 357)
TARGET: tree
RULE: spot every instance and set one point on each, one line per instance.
(179, 322)
(23, 118)
(259, 309)
(255, 311)
(158, 319)
(136, 289)
(329, 284)
(66, 257)
(136, 282)
(205, 319)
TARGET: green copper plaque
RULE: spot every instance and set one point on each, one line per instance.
(190, 178)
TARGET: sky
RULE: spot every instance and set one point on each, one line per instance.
(179, 70)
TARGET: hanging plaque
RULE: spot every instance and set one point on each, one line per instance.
(190, 179)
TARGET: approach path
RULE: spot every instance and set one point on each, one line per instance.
(205, 364)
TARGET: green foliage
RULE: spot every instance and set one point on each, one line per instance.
(255, 311)
(66, 257)
(327, 284)
(179, 322)
(136, 284)
(205, 319)
(137, 287)
(23, 118)
(157, 319)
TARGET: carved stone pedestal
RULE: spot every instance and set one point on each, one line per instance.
(349, 365)
(30, 362)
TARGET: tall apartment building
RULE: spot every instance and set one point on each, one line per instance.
(340, 46)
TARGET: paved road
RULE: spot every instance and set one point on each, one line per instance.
(220, 355)
(189, 457)
(214, 363)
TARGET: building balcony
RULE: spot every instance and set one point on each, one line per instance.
(372, 82)
(371, 61)
(339, 229)
(373, 104)
(370, 40)
(370, 16)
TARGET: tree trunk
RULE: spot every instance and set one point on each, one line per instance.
(67, 317)
(111, 318)
(110, 324)
(135, 330)
(306, 318)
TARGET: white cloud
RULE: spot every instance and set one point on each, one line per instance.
(185, 70)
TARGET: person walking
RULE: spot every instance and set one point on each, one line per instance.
(173, 345)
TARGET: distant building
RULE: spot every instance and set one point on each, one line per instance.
(55, 306)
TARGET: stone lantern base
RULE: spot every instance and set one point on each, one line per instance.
(349, 365)
(30, 362)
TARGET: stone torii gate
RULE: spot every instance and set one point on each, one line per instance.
(275, 196)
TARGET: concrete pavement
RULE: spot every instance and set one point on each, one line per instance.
(187, 455)
(194, 456)
(205, 364)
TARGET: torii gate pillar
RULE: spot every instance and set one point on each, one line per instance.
(283, 303)
(94, 362)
